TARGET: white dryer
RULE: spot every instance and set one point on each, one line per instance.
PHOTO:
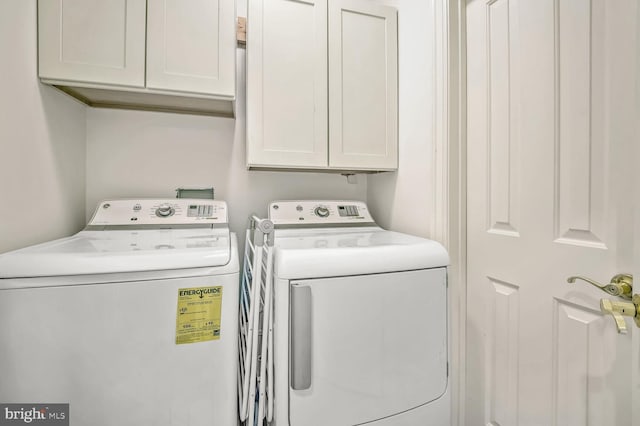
(132, 321)
(360, 320)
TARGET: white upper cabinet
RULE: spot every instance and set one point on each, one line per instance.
(175, 55)
(363, 82)
(322, 94)
(188, 46)
(93, 41)
(287, 83)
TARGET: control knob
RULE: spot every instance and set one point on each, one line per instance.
(321, 211)
(165, 210)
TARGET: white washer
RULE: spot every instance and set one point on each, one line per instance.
(93, 320)
(360, 322)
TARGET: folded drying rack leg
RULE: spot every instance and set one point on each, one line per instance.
(255, 371)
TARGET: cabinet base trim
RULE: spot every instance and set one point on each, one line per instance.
(149, 101)
(312, 170)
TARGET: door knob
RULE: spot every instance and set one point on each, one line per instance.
(621, 285)
(619, 310)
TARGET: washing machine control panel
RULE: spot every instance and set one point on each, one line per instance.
(179, 211)
(319, 212)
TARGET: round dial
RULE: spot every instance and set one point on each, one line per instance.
(165, 210)
(321, 211)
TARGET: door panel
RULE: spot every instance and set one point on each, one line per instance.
(92, 41)
(191, 46)
(378, 346)
(550, 130)
(287, 122)
(581, 144)
(363, 85)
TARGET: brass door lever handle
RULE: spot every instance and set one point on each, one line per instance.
(619, 310)
(621, 285)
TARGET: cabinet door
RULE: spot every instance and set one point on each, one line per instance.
(191, 46)
(92, 41)
(363, 85)
(287, 83)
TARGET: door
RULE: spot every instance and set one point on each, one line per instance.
(363, 85)
(92, 41)
(287, 84)
(366, 347)
(191, 46)
(551, 110)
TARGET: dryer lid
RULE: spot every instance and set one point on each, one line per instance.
(115, 251)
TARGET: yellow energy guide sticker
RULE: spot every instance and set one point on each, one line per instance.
(198, 318)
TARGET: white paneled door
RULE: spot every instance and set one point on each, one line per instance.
(552, 184)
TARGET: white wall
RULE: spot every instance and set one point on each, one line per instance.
(403, 201)
(42, 141)
(150, 154)
(130, 153)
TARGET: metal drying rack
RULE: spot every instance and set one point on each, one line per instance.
(255, 337)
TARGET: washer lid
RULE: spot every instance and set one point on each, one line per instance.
(113, 251)
(331, 252)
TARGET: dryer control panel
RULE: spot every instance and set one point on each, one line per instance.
(172, 211)
(319, 212)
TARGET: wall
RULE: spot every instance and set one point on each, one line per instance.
(42, 141)
(150, 154)
(403, 201)
(133, 154)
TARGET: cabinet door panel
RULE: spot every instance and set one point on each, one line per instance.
(92, 41)
(363, 85)
(287, 83)
(191, 46)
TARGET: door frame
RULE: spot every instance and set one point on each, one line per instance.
(449, 221)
